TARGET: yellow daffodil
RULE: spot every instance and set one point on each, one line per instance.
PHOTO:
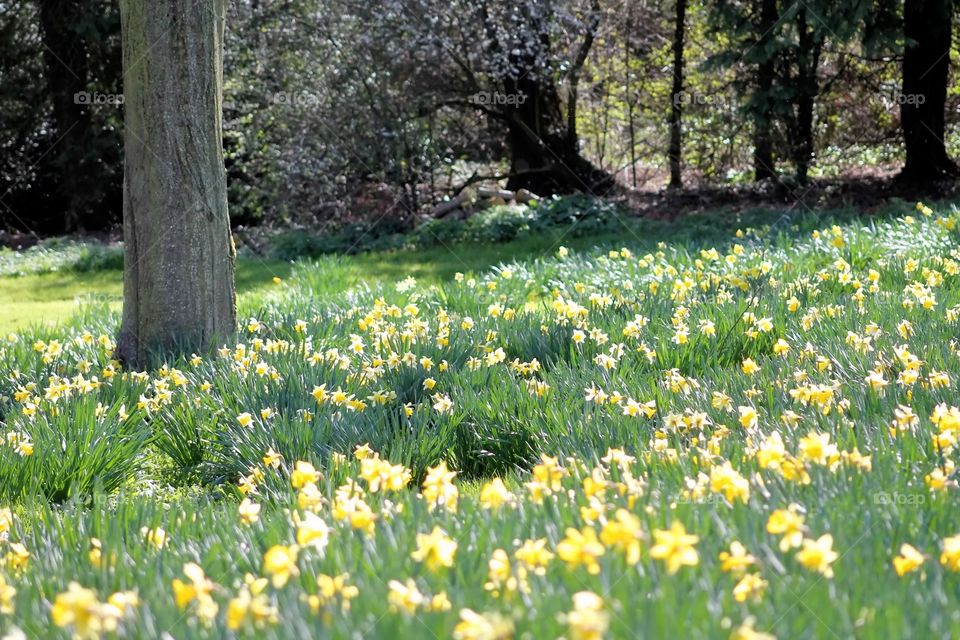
(675, 547)
(818, 555)
(908, 561)
(435, 549)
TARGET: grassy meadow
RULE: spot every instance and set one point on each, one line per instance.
(721, 428)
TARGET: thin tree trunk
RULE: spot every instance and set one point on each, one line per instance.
(676, 97)
(927, 26)
(67, 70)
(573, 83)
(807, 65)
(179, 254)
(763, 163)
(628, 93)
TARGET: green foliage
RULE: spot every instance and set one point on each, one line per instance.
(58, 255)
(792, 40)
(582, 215)
(90, 442)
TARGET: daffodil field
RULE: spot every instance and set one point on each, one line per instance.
(752, 438)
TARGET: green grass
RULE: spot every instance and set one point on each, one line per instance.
(871, 296)
(47, 284)
(52, 298)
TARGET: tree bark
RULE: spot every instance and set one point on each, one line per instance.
(628, 96)
(763, 163)
(545, 156)
(927, 26)
(573, 77)
(676, 98)
(179, 253)
(67, 70)
(808, 62)
(543, 159)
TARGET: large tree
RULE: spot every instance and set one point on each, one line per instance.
(179, 254)
(522, 62)
(927, 27)
(762, 107)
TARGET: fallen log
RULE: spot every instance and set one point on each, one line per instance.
(446, 208)
(495, 192)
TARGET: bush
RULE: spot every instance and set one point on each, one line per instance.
(61, 255)
(80, 446)
(98, 257)
(502, 223)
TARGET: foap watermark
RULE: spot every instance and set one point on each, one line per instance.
(899, 499)
(699, 499)
(688, 98)
(96, 299)
(98, 99)
(302, 98)
(897, 98)
(493, 98)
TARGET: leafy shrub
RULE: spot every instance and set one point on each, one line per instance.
(589, 214)
(61, 255)
(97, 257)
(502, 223)
(84, 444)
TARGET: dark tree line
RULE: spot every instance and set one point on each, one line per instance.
(62, 158)
(782, 45)
(341, 105)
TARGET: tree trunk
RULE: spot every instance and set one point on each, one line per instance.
(927, 26)
(676, 97)
(763, 163)
(179, 254)
(628, 96)
(808, 62)
(573, 77)
(545, 156)
(66, 69)
(543, 159)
